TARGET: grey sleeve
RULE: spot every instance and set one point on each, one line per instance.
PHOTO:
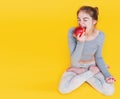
(75, 49)
(71, 41)
(99, 59)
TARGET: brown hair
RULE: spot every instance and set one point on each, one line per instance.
(92, 11)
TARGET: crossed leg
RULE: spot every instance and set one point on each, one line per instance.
(71, 81)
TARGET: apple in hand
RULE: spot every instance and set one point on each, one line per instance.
(79, 30)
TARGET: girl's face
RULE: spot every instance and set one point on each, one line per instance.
(85, 20)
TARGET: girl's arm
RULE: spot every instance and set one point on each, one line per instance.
(75, 48)
(99, 59)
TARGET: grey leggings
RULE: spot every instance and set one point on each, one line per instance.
(70, 81)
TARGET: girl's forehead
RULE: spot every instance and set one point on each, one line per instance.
(82, 14)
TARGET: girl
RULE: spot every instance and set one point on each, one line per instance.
(87, 64)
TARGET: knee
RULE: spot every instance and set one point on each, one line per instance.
(63, 90)
(109, 91)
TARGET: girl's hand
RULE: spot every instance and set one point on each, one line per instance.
(77, 70)
(81, 38)
(110, 79)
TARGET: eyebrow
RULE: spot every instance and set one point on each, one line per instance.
(83, 18)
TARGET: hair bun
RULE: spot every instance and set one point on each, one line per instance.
(96, 8)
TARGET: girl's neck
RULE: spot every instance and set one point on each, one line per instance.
(91, 32)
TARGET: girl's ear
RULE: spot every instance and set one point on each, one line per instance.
(94, 22)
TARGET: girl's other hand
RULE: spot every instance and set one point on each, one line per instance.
(110, 79)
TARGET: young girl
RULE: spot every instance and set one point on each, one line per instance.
(87, 64)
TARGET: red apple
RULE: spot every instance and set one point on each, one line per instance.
(79, 30)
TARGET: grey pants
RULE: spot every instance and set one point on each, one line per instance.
(71, 81)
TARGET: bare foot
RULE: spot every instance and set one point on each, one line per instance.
(94, 69)
(110, 79)
(77, 70)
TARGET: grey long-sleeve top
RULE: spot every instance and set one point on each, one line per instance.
(87, 50)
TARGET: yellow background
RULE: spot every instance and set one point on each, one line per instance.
(34, 48)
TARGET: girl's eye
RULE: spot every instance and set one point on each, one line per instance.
(85, 20)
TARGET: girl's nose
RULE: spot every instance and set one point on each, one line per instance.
(81, 23)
